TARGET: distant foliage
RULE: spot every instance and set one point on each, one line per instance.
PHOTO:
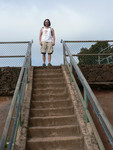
(99, 47)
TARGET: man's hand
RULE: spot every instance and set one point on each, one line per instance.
(53, 43)
(41, 43)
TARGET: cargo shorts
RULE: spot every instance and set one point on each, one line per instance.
(47, 47)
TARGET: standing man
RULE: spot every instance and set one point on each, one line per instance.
(47, 41)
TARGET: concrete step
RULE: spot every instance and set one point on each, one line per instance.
(49, 85)
(43, 82)
(69, 130)
(44, 68)
(52, 121)
(53, 104)
(50, 97)
(63, 111)
(50, 72)
(56, 143)
(48, 80)
(47, 69)
(55, 75)
(49, 91)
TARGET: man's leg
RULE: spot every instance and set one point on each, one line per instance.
(50, 51)
(44, 58)
(49, 58)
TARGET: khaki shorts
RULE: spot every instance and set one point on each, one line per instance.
(46, 46)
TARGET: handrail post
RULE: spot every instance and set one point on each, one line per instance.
(86, 108)
(20, 108)
(71, 68)
(64, 55)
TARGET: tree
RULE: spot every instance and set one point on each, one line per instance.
(98, 47)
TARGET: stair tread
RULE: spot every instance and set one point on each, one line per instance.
(43, 94)
(54, 127)
(54, 117)
(52, 139)
(52, 108)
(50, 82)
(50, 88)
(55, 101)
(48, 75)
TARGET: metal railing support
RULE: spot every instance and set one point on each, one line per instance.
(86, 108)
(95, 104)
(71, 71)
(17, 95)
(64, 54)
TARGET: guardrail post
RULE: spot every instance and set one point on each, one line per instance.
(20, 108)
(71, 71)
(86, 108)
(64, 55)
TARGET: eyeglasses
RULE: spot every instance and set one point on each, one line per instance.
(46, 22)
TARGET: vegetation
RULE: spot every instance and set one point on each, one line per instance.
(99, 47)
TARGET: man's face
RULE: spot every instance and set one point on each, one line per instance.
(46, 23)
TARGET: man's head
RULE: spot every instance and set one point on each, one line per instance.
(47, 22)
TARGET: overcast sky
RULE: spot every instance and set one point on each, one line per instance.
(71, 20)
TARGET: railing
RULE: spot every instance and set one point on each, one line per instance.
(16, 103)
(12, 53)
(106, 125)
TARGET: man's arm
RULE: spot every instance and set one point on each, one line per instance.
(40, 35)
(53, 34)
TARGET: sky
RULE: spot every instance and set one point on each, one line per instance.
(71, 20)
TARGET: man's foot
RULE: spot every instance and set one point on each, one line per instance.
(49, 64)
(44, 65)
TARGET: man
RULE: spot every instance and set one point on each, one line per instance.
(47, 41)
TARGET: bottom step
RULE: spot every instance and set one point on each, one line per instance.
(56, 143)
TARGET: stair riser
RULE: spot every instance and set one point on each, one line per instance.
(44, 86)
(47, 71)
(57, 145)
(65, 131)
(52, 121)
(46, 80)
(50, 91)
(50, 97)
(56, 104)
(44, 76)
(44, 113)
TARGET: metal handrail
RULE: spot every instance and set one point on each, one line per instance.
(95, 104)
(12, 56)
(88, 41)
(14, 99)
(17, 42)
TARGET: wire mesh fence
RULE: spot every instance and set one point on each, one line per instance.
(91, 52)
(12, 53)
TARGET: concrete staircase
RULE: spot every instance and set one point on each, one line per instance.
(52, 121)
